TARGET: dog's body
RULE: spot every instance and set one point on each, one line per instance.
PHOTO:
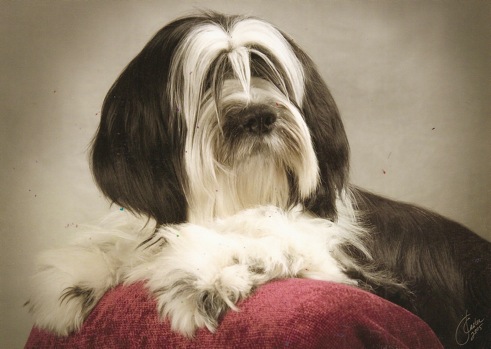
(223, 134)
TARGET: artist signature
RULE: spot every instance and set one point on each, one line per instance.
(467, 329)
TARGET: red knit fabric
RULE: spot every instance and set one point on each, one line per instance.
(293, 313)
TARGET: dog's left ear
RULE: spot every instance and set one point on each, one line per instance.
(329, 139)
(138, 149)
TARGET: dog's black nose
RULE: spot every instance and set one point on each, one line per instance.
(255, 120)
(259, 121)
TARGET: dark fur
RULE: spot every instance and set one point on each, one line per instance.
(80, 293)
(446, 266)
(137, 162)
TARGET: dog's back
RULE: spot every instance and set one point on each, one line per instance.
(446, 266)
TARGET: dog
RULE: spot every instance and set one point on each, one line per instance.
(224, 144)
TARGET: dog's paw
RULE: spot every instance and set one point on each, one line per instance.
(63, 314)
(67, 285)
(191, 301)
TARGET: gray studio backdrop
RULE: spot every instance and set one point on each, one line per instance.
(411, 78)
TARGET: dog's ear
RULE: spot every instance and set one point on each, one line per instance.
(329, 139)
(138, 149)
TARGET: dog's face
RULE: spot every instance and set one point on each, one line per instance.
(247, 148)
(215, 115)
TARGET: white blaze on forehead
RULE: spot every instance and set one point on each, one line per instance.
(239, 58)
(254, 32)
(205, 43)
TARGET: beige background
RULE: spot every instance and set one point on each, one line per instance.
(412, 80)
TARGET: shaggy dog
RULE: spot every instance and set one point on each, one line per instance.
(222, 137)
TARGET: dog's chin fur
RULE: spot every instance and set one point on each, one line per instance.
(223, 139)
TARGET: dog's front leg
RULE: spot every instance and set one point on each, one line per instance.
(195, 273)
(69, 281)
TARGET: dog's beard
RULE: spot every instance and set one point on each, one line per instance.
(251, 147)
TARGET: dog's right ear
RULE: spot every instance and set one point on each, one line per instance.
(328, 138)
(137, 152)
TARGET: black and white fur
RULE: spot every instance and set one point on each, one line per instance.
(223, 138)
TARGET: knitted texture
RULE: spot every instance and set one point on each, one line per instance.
(292, 313)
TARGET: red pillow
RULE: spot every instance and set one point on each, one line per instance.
(292, 313)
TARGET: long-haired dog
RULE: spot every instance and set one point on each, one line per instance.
(223, 138)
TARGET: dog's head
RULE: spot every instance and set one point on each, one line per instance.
(216, 114)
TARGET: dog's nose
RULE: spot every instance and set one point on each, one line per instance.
(259, 122)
